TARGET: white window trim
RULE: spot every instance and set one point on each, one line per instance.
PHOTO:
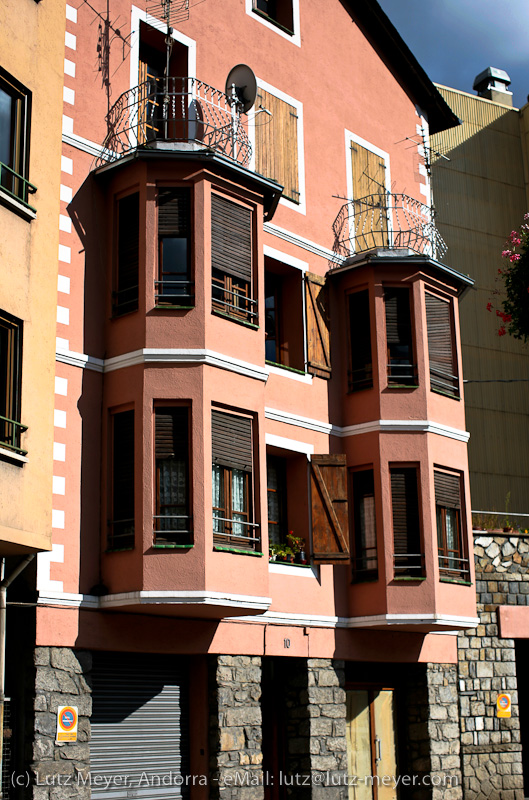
(137, 16)
(295, 38)
(351, 137)
(300, 207)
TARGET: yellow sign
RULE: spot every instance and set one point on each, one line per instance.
(67, 719)
(503, 705)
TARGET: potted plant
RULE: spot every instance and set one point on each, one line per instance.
(297, 545)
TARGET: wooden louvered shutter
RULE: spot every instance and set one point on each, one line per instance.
(369, 180)
(231, 440)
(398, 318)
(174, 212)
(447, 490)
(276, 144)
(405, 506)
(171, 432)
(126, 297)
(318, 326)
(330, 520)
(441, 346)
(231, 238)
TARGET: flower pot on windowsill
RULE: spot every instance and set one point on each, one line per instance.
(300, 557)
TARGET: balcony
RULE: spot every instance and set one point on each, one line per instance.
(173, 114)
(388, 221)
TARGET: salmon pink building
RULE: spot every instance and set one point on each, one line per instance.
(261, 552)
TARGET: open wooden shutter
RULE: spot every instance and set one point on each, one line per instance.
(276, 143)
(174, 212)
(318, 326)
(231, 238)
(447, 490)
(171, 432)
(441, 345)
(231, 440)
(405, 506)
(330, 520)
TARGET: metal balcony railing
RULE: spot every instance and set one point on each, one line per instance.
(10, 433)
(185, 110)
(386, 220)
(16, 185)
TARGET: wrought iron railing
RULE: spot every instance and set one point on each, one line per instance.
(175, 110)
(234, 532)
(451, 566)
(408, 564)
(16, 185)
(10, 433)
(444, 382)
(388, 221)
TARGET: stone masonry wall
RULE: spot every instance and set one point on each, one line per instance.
(235, 728)
(491, 749)
(62, 678)
(327, 714)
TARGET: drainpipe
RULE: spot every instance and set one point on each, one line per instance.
(4, 584)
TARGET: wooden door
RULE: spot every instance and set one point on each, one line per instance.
(371, 744)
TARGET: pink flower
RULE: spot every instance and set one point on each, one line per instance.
(526, 216)
(506, 254)
(515, 257)
(489, 305)
(514, 238)
(502, 331)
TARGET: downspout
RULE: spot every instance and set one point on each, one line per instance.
(4, 584)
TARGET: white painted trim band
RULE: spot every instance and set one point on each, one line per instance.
(402, 426)
(184, 598)
(300, 241)
(300, 422)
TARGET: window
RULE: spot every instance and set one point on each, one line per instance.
(452, 563)
(276, 487)
(172, 519)
(174, 286)
(283, 315)
(361, 372)
(280, 12)
(370, 199)
(407, 553)
(276, 143)
(15, 104)
(125, 297)
(401, 369)
(365, 533)
(121, 525)
(233, 524)
(441, 346)
(10, 383)
(318, 326)
(231, 260)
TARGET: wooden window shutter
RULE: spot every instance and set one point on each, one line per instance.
(440, 345)
(276, 144)
(174, 212)
(398, 316)
(330, 519)
(405, 506)
(231, 440)
(318, 326)
(171, 432)
(126, 297)
(231, 238)
(447, 490)
(369, 180)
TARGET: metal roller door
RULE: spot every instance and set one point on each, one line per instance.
(139, 741)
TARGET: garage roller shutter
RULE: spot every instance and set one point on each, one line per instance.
(139, 727)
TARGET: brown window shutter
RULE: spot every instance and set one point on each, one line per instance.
(171, 432)
(447, 489)
(276, 146)
(398, 316)
(121, 533)
(330, 521)
(231, 440)
(441, 346)
(405, 505)
(318, 326)
(174, 212)
(126, 297)
(231, 238)
(369, 180)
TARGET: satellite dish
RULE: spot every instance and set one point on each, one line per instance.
(245, 82)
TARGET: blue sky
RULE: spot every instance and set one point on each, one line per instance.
(455, 40)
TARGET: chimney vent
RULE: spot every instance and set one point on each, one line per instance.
(492, 84)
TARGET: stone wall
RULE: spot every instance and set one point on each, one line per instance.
(62, 678)
(491, 749)
(235, 728)
(327, 714)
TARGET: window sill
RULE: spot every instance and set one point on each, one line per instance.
(278, 365)
(237, 551)
(446, 394)
(119, 549)
(409, 578)
(168, 307)
(289, 564)
(173, 546)
(455, 580)
(402, 386)
(27, 212)
(12, 455)
(231, 318)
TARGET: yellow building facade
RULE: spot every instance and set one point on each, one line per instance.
(31, 80)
